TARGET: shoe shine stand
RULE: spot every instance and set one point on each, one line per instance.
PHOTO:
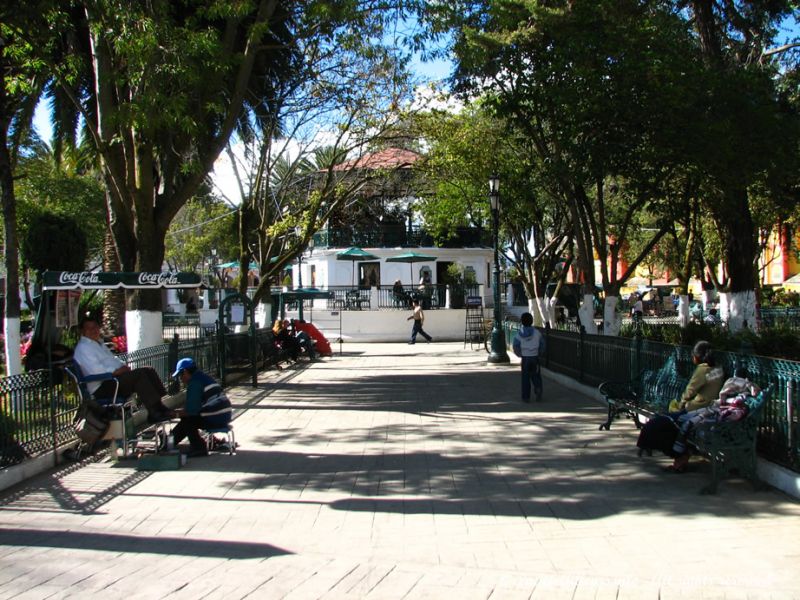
(54, 282)
(154, 451)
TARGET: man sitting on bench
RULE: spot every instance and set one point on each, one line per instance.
(207, 407)
(95, 358)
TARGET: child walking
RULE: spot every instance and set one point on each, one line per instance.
(529, 346)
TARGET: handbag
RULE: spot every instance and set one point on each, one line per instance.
(89, 427)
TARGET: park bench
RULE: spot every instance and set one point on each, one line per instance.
(647, 395)
(730, 446)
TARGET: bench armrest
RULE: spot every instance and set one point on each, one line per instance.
(617, 390)
(98, 377)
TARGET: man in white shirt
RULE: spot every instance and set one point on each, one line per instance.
(94, 358)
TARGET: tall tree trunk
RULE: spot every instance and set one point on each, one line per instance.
(113, 300)
(11, 245)
(741, 245)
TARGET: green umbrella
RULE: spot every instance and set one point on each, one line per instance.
(355, 255)
(234, 264)
(411, 258)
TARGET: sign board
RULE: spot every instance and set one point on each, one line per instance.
(94, 280)
(473, 301)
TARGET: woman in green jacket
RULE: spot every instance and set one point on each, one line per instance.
(706, 382)
(701, 392)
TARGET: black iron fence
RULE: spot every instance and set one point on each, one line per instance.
(592, 359)
(37, 408)
(788, 317)
(184, 326)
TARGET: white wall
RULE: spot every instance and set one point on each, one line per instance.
(333, 272)
(387, 326)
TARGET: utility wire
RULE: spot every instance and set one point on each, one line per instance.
(195, 226)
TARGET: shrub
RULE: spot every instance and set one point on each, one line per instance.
(782, 297)
(775, 342)
(56, 243)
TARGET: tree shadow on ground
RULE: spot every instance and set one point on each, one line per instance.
(109, 542)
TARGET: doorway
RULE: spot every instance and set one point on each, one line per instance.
(370, 274)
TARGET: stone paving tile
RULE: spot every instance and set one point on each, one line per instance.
(400, 472)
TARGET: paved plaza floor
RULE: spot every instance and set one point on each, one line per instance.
(396, 471)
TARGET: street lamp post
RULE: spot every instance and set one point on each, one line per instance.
(216, 276)
(498, 353)
(310, 245)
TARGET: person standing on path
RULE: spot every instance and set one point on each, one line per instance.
(529, 346)
(419, 318)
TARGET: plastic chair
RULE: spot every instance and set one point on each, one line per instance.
(119, 404)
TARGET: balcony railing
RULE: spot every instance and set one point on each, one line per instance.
(393, 236)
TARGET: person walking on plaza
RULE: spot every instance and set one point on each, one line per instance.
(418, 317)
(94, 358)
(207, 407)
(529, 346)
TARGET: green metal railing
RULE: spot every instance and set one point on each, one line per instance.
(592, 359)
(34, 416)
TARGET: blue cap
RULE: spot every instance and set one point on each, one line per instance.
(184, 363)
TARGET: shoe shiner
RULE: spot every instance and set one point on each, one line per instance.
(207, 406)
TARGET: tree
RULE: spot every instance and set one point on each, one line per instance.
(55, 242)
(201, 224)
(465, 148)
(302, 164)
(66, 187)
(20, 87)
(753, 136)
(160, 87)
(603, 91)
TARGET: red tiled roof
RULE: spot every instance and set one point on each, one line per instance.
(390, 158)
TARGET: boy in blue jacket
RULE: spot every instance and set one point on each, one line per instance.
(529, 346)
(207, 406)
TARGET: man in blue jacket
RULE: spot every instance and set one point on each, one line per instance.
(207, 406)
(529, 346)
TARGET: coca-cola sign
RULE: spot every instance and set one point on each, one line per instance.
(79, 278)
(66, 280)
(169, 278)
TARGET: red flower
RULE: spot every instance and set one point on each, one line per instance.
(120, 343)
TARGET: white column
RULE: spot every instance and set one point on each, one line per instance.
(374, 297)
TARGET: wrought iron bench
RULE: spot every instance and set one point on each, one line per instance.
(730, 446)
(646, 395)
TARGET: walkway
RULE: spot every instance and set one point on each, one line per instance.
(399, 471)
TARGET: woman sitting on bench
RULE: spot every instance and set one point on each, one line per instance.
(702, 389)
(729, 406)
(701, 392)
